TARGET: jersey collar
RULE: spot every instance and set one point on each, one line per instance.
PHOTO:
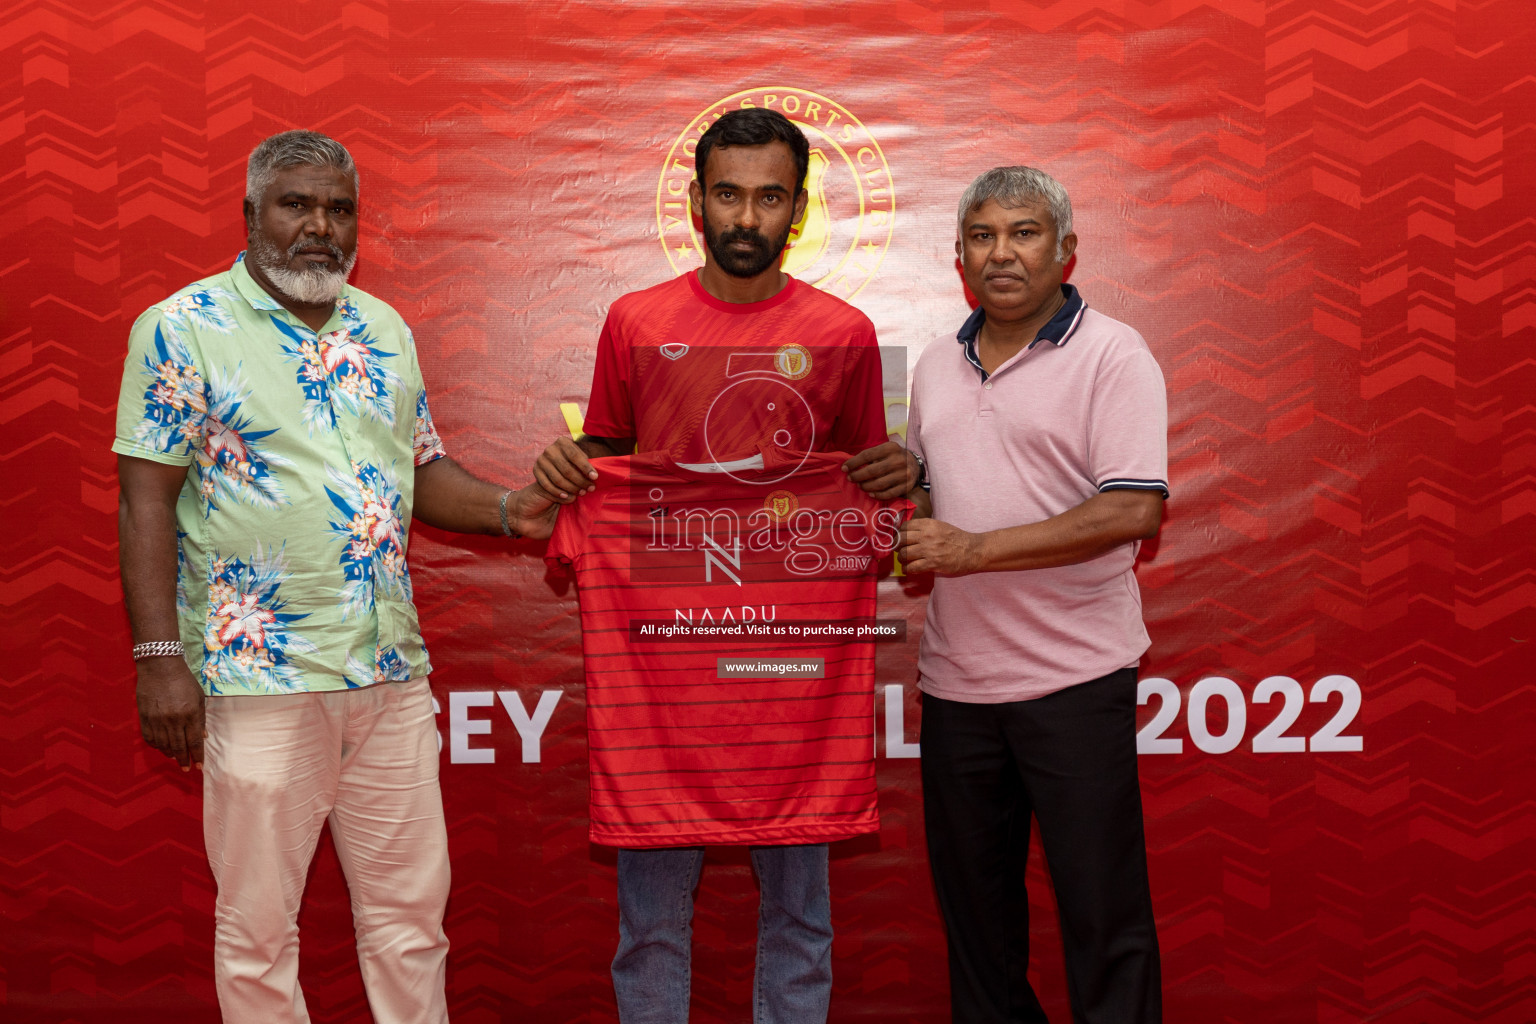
(740, 308)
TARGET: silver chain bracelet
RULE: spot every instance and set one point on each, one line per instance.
(506, 525)
(158, 649)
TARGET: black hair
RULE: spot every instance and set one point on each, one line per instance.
(753, 126)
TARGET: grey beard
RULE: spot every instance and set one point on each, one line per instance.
(316, 286)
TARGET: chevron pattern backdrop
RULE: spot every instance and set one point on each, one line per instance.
(1317, 212)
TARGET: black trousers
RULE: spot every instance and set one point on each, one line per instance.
(1068, 759)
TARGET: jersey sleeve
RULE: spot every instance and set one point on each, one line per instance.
(1128, 431)
(574, 523)
(861, 420)
(610, 412)
(882, 519)
(162, 406)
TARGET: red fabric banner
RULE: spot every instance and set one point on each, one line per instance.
(1316, 213)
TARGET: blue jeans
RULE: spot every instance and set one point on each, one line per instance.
(652, 971)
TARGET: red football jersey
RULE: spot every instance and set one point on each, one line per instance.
(708, 381)
(695, 738)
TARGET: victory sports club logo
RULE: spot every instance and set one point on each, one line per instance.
(850, 208)
(781, 505)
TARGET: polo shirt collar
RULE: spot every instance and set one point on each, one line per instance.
(1058, 331)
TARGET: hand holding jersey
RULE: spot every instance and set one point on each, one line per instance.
(885, 471)
(562, 469)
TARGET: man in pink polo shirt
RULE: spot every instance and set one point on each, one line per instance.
(1042, 429)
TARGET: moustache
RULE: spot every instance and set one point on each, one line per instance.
(743, 235)
(316, 243)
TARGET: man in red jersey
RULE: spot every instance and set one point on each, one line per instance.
(735, 360)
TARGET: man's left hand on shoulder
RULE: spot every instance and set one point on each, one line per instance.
(885, 471)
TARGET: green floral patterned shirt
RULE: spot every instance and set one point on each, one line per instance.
(294, 521)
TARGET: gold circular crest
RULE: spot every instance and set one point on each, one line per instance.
(850, 208)
(781, 504)
(792, 361)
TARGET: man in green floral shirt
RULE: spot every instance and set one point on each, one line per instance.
(274, 443)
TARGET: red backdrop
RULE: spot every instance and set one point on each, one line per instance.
(1317, 213)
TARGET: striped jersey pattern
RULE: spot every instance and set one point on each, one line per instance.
(680, 756)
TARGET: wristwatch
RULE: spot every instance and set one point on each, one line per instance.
(922, 470)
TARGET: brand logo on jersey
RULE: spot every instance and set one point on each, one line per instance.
(850, 207)
(792, 361)
(781, 504)
(674, 351)
(717, 556)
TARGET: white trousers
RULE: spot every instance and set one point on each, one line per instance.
(275, 769)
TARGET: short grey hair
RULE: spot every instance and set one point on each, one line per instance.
(291, 149)
(1015, 186)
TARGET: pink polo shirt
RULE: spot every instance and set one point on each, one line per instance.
(1081, 410)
